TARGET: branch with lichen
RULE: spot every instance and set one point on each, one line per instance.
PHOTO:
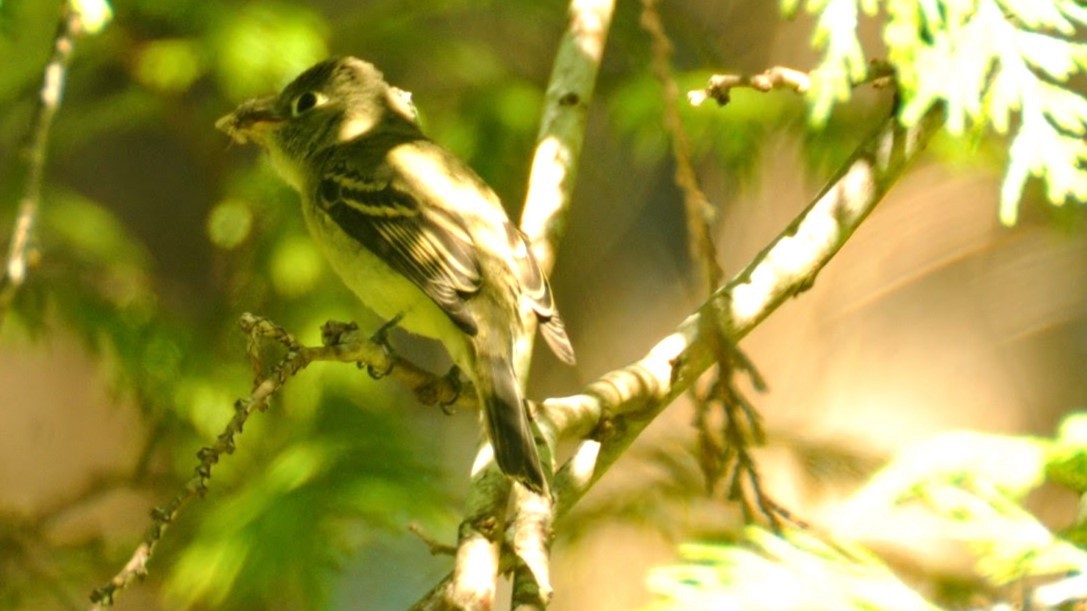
(628, 399)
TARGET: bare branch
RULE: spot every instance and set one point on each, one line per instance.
(297, 358)
(720, 86)
(562, 129)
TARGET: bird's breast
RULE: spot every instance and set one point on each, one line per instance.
(380, 288)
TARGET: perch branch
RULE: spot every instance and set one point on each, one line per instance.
(629, 398)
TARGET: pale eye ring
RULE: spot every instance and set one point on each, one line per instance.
(307, 101)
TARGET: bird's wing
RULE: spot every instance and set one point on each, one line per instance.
(538, 291)
(427, 244)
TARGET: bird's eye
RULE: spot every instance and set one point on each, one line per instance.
(306, 101)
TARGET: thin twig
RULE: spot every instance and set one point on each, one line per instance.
(720, 86)
(699, 212)
(32, 167)
(436, 547)
(297, 358)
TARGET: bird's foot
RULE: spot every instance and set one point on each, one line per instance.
(333, 332)
(381, 338)
(452, 380)
(442, 391)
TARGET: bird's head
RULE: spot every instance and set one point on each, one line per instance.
(333, 102)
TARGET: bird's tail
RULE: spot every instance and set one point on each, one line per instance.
(507, 420)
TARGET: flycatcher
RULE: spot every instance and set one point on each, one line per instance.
(413, 231)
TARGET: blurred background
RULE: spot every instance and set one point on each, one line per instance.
(122, 356)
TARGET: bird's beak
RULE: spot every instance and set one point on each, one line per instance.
(253, 120)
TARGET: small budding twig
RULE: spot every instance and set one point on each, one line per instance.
(720, 86)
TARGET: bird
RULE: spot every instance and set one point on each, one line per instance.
(417, 235)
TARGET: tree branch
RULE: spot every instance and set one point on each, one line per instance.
(719, 87)
(562, 128)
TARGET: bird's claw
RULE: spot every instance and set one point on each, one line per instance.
(381, 338)
(452, 377)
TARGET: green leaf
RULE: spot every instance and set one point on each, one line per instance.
(990, 63)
